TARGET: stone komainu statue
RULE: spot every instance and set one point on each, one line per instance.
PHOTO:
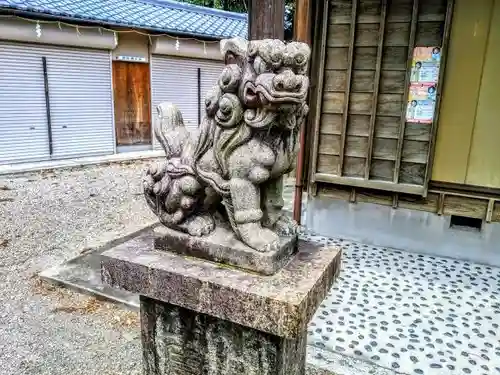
(232, 168)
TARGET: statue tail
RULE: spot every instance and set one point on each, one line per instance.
(170, 130)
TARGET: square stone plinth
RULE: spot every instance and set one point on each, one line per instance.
(281, 304)
(178, 341)
(222, 246)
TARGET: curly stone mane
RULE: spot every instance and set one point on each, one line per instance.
(247, 137)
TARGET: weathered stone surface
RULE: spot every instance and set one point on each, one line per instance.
(234, 165)
(222, 246)
(220, 194)
(281, 304)
(177, 341)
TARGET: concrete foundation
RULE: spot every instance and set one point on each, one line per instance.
(414, 231)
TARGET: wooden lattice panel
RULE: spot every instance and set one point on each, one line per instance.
(361, 135)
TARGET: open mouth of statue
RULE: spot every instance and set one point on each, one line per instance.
(260, 94)
(267, 95)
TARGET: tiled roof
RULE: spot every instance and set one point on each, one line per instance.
(160, 15)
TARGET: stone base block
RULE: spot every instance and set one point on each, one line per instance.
(177, 341)
(204, 318)
(222, 246)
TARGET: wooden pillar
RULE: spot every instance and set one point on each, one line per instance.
(302, 33)
(266, 19)
(303, 16)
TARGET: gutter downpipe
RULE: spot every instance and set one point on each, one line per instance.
(297, 202)
(302, 34)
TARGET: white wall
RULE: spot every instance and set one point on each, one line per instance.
(17, 30)
(410, 230)
(132, 44)
(187, 48)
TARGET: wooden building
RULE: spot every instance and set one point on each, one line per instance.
(81, 78)
(377, 175)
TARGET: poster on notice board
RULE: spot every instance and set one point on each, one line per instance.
(425, 65)
(423, 82)
(421, 103)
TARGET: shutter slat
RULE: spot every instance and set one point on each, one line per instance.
(22, 106)
(175, 80)
(80, 98)
(210, 72)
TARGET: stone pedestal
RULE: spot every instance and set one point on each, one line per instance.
(178, 341)
(200, 317)
(222, 246)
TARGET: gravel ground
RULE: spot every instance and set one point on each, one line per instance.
(47, 218)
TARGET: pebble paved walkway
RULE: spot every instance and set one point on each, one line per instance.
(410, 313)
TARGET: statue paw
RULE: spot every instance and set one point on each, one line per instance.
(271, 247)
(259, 238)
(199, 225)
(286, 226)
(155, 179)
(156, 171)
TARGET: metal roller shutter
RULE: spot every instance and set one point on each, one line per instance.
(80, 100)
(210, 72)
(23, 120)
(175, 80)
